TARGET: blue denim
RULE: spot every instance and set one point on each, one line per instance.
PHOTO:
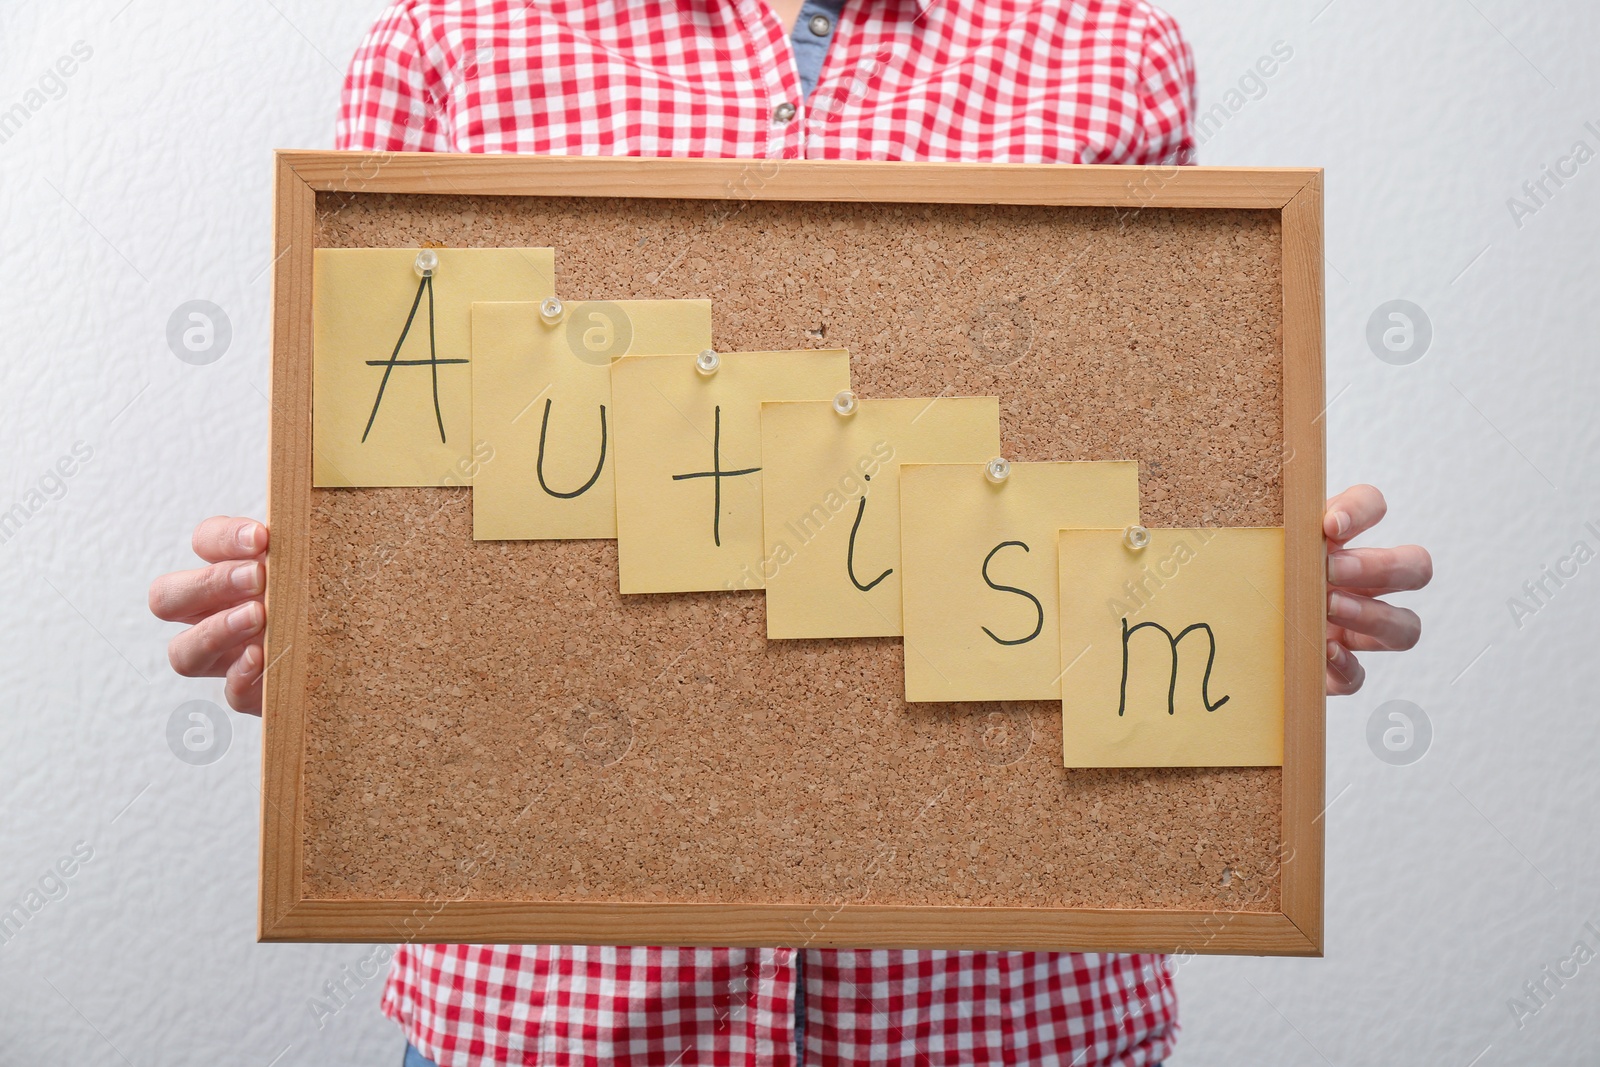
(800, 1007)
(811, 48)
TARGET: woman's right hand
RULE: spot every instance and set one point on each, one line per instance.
(224, 607)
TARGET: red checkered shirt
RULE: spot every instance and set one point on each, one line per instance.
(1092, 81)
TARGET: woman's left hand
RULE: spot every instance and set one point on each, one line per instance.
(1357, 620)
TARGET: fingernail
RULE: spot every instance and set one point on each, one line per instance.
(1335, 652)
(1341, 523)
(252, 661)
(1341, 606)
(246, 578)
(248, 537)
(1342, 568)
(243, 618)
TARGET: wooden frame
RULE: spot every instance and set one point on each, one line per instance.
(1296, 193)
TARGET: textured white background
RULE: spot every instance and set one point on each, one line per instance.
(1451, 882)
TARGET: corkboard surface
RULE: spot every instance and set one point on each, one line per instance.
(501, 700)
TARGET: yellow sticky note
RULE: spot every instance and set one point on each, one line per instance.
(541, 402)
(689, 462)
(392, 359)
(1176, 649)
(831, 504)
(981, 595)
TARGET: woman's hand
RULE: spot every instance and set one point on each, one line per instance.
(1357, 621)
(224, 605)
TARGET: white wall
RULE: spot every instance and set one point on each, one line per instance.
(1451, 881)
(146, 184)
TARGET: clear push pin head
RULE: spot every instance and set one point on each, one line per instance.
(997, 470)
(845, 402)
(427, 262)
(551, 310)
(1136, 537)
(707, 362)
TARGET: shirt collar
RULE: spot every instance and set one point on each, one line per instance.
(921, 6)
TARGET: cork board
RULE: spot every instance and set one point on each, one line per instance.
(486, 741)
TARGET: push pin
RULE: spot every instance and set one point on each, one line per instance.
(845, 402)
(1136, 537)
(551, 310)
(427, 262)
(997, 470)
(707, 363)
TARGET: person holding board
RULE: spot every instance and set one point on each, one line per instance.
(1069, 81)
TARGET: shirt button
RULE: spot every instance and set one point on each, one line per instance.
(784, 112)
(820, 25)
